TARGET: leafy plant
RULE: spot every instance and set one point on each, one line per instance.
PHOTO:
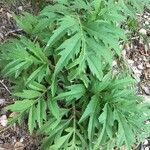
(61, 71)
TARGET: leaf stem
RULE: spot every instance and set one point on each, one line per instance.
(74, 124)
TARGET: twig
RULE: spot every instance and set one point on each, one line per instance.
(4, 129)
(2, 82)
(12, 32)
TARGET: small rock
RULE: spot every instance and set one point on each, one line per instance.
(144, 58)
(20, 8)
(1, 36)
(145, 16)
(145, 142)
(3, 120)
(114, 63)
(147, 64)
(1, 141)
(130, 61)
(124, 53)
(2, 101)
(140, 66)
(9, 15)
(146, 148)
(146, 22)
(143, 31)
(1, 10)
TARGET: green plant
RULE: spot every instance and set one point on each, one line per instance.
(62, 74)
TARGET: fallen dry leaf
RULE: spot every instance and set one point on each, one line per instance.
(13, 114)
(18, 146)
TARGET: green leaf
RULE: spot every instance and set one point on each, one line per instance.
(95, 66)
(107, 119)
(35, 49)
(23, 23)
(60, 141)
(20, 106)
(63, 124)
(31, 119)
(124, 130)
(34, 74)
(41, 112)
(100, 86)
(37, 86)
(42, 24)
(100, 49)
(70, 48)
(122, 83)
(28, 94)
(66, 23)
(89, 109)
(19, 66)
(54, 108)
(76, 92)
(97, 4)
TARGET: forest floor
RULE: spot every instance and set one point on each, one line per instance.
(136, 54)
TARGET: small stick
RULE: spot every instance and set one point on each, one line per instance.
(12, 32)
(4, 129)
(1, 81)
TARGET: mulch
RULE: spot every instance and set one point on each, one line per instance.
(14, 137)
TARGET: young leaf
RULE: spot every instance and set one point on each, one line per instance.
(76, 92)
(31, 119)
(95, 66)
(28, 94)
(34, 74)
(60, 141)
(41, 112)
(54, 108)
(37, 86)
(20, 106)
(70, 48)
(124, 130)
(107, 119)
(66, 23)
(89, 109)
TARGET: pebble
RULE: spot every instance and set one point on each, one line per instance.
(3, 120)
(1, 36)
(20, 8)
(145, 16)
(143, 31)
(114, 63)
(146, 22)
(140, 66)
(1, 141)
(147, 65)
(145, 142)
(9, 15)
(2, 101)
(130, 61)
(146, 148)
